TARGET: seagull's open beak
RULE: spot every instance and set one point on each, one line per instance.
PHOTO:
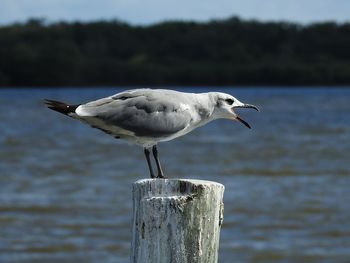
(243, 121)
(249, 106)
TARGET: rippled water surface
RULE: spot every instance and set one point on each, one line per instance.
(65, 189)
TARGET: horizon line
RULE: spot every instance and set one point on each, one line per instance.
(47, 22)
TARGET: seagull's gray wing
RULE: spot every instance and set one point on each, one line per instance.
(143, 112)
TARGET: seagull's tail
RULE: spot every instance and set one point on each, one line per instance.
(61, 106)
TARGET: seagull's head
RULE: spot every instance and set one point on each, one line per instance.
(225, 106)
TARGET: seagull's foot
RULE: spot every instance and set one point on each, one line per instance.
(161, 176)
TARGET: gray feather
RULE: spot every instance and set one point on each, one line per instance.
(142, 112)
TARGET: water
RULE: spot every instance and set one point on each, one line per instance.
(65, 189)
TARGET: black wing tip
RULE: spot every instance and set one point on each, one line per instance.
(60, 106)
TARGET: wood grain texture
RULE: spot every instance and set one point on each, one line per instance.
(176, 221)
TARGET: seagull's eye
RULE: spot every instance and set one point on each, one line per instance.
(229, 101)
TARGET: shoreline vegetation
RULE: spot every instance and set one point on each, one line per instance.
(230, 52)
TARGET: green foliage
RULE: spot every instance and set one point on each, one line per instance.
(227, 52)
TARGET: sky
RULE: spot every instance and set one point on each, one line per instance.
(144, 12)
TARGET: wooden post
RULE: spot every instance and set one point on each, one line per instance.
(176, 221)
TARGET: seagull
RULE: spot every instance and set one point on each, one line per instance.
(146, 117)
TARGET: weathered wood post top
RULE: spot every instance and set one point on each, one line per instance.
(176, 221)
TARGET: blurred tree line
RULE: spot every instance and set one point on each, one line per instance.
(225, 52)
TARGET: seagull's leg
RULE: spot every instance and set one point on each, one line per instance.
(147, 153)
(159, 167)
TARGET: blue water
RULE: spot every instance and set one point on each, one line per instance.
(65, 189)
